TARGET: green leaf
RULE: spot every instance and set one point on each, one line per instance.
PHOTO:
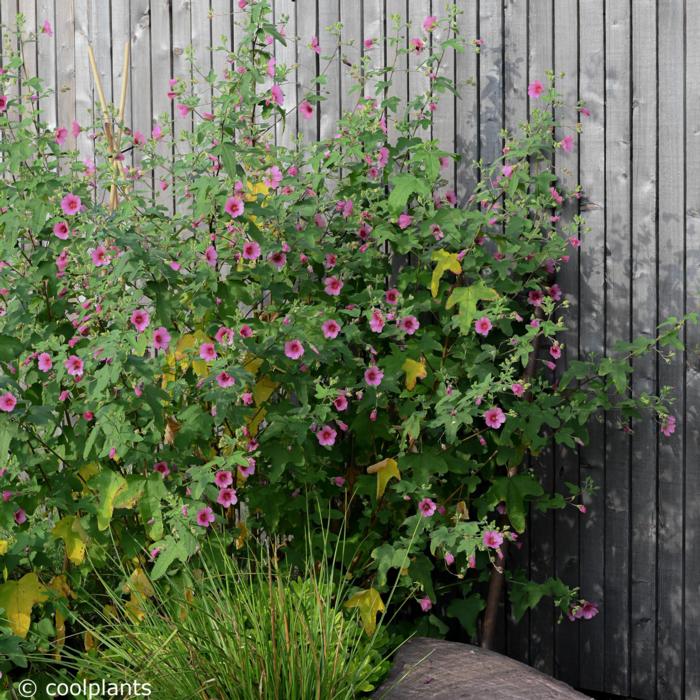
(108, 485)
(467, 610)
(468, 298)
(404, 186)
(515, 491)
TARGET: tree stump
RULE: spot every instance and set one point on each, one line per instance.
(433, 669)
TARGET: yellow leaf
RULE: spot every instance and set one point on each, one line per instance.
(445, 261)
(138, 582)
(255, 190)
(414, 371)
(109, 485)
(385, 470)
(88, 641)
(242, 537)
(60, 585)
(69, 530)
(4, 546)
(369, 603)
(186, 353)
(17, 598)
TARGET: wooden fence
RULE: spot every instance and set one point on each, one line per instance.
(636, 63)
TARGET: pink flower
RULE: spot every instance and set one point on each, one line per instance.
(315, 45)
(227, 497)
(391, 296)
(340, 402)
(224, 336)
(368, 43)
(46, 28)
(205, 517)
(668, 427)
(373, 376)
(88, 415)
(7, 402)
(535, 89)
(425, 604)
(245, 331)
(140, 319)
(223, 478)
(494, 417)
(271, 63)
(483, 326)
(246, 470)
(161, 338)
(449, 558)
(535, 297)
(161, 468)
(61, 135)
(555, 351)
(234, 206)
(70, 204)
(225, 380)
(507, 170)
(429, 23)
(404, 221)
(587, 610)
(339, 481)
(251, 250)
(20, 516)
(409, 324)
(277, 94)
(307, 111)
(333, 286)
(274, 177)
(211, 256)
(417, 44)
(44, 362)
(493, 539)
(326, 436)
(183, 109)
(330, 329)
(556, 196)
(74, 366)
(427, 507)
(517, 388)
(61, 230)
(64, 395)
(567, 143)
(207, 352)
(278, 259)
(99, 256)
(157, 132)
(293, 349)
(376, 322)
(3, 102)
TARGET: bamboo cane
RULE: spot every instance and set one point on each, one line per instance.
(122, 108)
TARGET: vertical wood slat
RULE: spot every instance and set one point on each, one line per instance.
(566, 462)
(418, 82)
(46, 60)
(691, 418)
(286, 56)
(83, 79)
(671, 232)
(65, 66)
(329, 109)
(490, 79)
(617, 328)
(644, 320)
(395, 61)
(140, 74)
(591, 337)
(541, 58)
(308, 62)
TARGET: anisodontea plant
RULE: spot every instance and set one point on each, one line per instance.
(249, 328)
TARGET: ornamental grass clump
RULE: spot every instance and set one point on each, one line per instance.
(249, 325)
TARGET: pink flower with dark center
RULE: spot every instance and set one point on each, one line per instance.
(376, 322)
(277, 259)
(339, 481)
(70, 204)
(555, 351)
(668, 427)
(391, 296)
(88, 415)
(61, 135)
(404, 221)
(3, 103)
(223, 478)
(274, 177)
(205, 517)
(483, 326)
(326, 436)
(494, 417)
(587, 610)
(225, 380)
(211, 256)
(162, 468)
(44, 362)
(234, 206)
(61, 230)
(140, 319)
(245, 331)
(293, 349)
(517, 388)
(161, 338)
(99, 256)
(74, 366)
(438, 235)
(277, 94)
(535, 89)
(333, 286)
(429, 23)
(224, 336)
(409, 324)
(425, 604)
(227, 497)
(330, 329)
(417, 44)
(340, 402)
(207, 352)
(20, 516)
(8, 402)
(535, 297)
(307, 111)
(427, 507)
(567, 143)
(492, 539)
(251, 250)
(368, 43)
(246, 470)
(373, 376)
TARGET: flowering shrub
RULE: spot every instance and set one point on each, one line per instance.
(317, 323)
